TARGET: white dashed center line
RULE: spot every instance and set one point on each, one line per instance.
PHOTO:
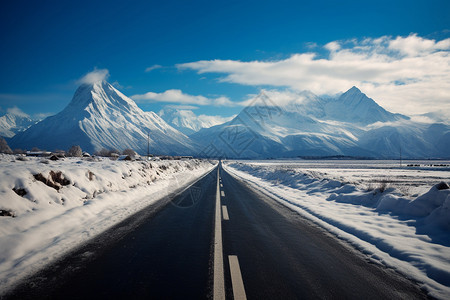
(225, 213)
(219, 283)
(236, 278)
(235, 270)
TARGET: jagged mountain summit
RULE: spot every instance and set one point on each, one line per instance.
(355, 107)
(100, 116)
(187, 121)
(303, 124)
(12, 123)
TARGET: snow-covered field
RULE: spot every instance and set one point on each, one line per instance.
(49, 207)
(399, 216)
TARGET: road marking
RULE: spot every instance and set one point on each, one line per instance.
(222, 193)
(225, 213)
(236, 278)
(219, 283)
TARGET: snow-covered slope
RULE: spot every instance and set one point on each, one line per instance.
(99, 116)
(61, 204)
(298, 128)
(304, 124)
(187, 121)
(12, 123)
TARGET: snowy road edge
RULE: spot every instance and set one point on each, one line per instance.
(34, 262)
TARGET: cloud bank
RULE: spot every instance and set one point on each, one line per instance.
(408, 75)
(177, 96)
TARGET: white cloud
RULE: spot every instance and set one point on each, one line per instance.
(414, 45)
(214, 120)
(223, 101)
(117, 85)
(177, 96)
(272, 98)
(311, 45)
(410, 75)
(183, 107)
(17, 112)
(154, 67)
(332, 46)
(42, 116)
(95, 76)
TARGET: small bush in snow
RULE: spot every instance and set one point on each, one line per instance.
(4, 148)
(75, 151)
(129, 152)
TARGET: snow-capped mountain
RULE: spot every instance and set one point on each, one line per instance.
(187, 121)
(307, 125)
(355, 107)
(99, 116)
(12, 123)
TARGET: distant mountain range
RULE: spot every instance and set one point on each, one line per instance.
(187, 121)
(12, 123)
(351, 124)
(309, 126)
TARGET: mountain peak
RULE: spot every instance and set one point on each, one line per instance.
(354, 90)
(354, 106)
(98, 96)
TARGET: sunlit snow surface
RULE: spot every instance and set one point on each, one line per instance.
(412, 178)
(48, 222)
(395, 214)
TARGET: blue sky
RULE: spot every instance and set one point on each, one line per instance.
(212, 55)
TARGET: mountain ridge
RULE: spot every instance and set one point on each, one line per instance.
(351, 125)
(187, 122)
(12, 123)
(300, 124)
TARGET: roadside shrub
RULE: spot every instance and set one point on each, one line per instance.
(129, 152)
(4, 148)
(75, 151)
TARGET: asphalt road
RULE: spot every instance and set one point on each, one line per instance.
(171, 250)
(283, 256)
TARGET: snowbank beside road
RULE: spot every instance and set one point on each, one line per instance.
(49, 207)
(411, 235)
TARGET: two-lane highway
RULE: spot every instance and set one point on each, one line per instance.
(218, 239)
